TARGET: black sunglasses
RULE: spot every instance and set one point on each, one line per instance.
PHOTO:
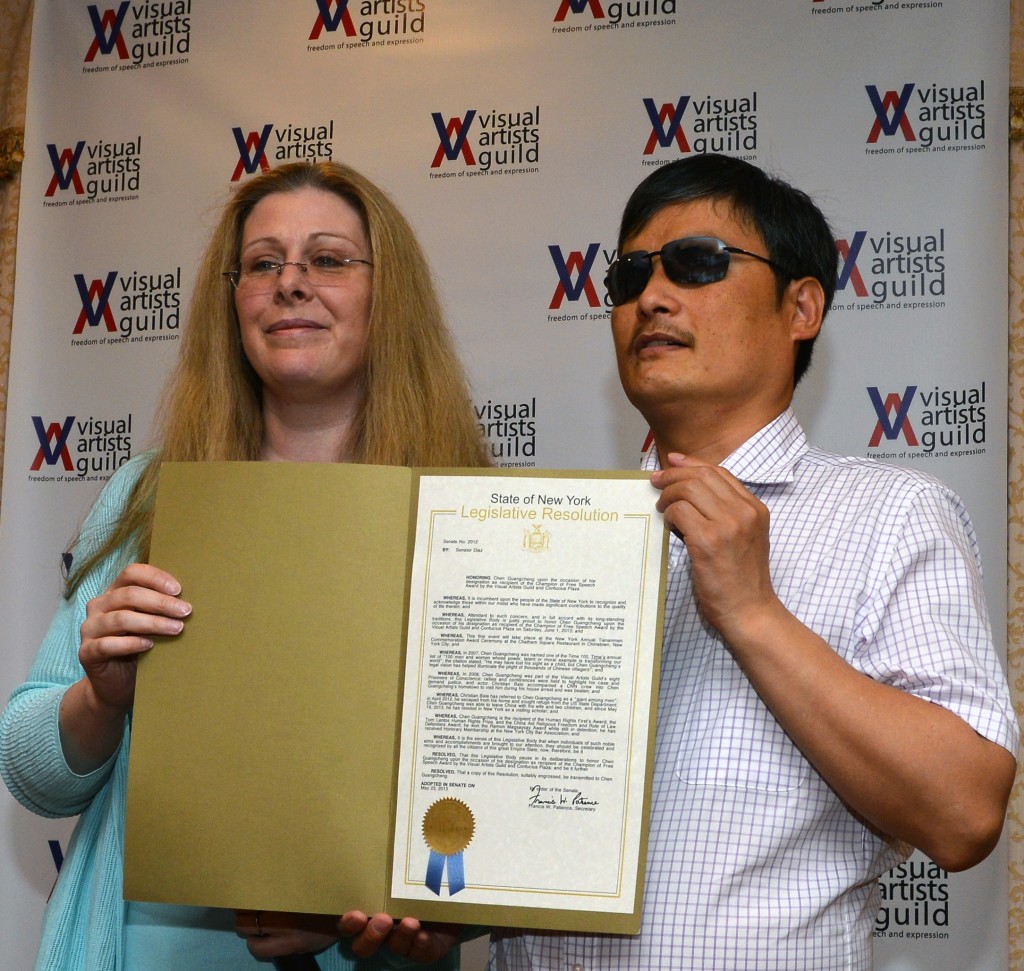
(694, 260)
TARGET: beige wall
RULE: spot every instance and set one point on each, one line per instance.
(15, 23)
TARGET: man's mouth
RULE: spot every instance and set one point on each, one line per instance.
(658, 339)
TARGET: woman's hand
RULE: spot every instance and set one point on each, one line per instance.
(140, 604)
(269, 934)
(119, 625)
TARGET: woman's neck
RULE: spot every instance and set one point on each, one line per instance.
(301, 433)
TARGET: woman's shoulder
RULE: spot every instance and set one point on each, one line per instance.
(119, 486)
(110, 506)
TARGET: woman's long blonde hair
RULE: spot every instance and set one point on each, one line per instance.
(416, 409)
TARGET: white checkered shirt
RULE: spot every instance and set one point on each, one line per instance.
(753, 862)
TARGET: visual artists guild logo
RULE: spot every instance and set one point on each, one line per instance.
(613, 16)
(892, 270)
(915, 902)
(579, 277)
(271, 144)
(135, 35)
(88, 172)
(937, 422)
(119, 308)
(715, 124)
(926, 118)
(86, 450)
(510, 428)
(331, 15)
(376, 23)
(490, 142)
(566, 7)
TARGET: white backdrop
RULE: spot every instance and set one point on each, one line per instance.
(511, 134)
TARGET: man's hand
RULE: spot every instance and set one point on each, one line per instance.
(407, 937)
(725, 529)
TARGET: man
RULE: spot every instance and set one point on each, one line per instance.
(830, 697)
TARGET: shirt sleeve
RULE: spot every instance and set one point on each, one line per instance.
(926, 629)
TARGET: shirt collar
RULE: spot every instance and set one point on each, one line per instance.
(768, 457)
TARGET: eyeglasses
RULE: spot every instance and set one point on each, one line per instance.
(694, 260)
(260, 276)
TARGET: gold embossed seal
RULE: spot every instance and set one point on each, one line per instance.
(448, 826)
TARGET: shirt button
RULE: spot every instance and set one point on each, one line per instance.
(577, 966)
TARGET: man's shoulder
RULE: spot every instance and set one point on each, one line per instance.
(862, 473)
(867, 466)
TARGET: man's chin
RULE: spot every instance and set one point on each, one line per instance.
(652, 388)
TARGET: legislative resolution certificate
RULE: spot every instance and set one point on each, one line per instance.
(428, 692)
(527, 729)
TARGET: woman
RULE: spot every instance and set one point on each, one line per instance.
(314, 335)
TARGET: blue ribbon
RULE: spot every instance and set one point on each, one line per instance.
(456, 872)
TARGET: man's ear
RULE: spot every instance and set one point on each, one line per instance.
(806, 300)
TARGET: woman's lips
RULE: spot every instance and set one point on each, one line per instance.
(293, 324)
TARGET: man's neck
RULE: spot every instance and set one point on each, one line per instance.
(708, 437)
